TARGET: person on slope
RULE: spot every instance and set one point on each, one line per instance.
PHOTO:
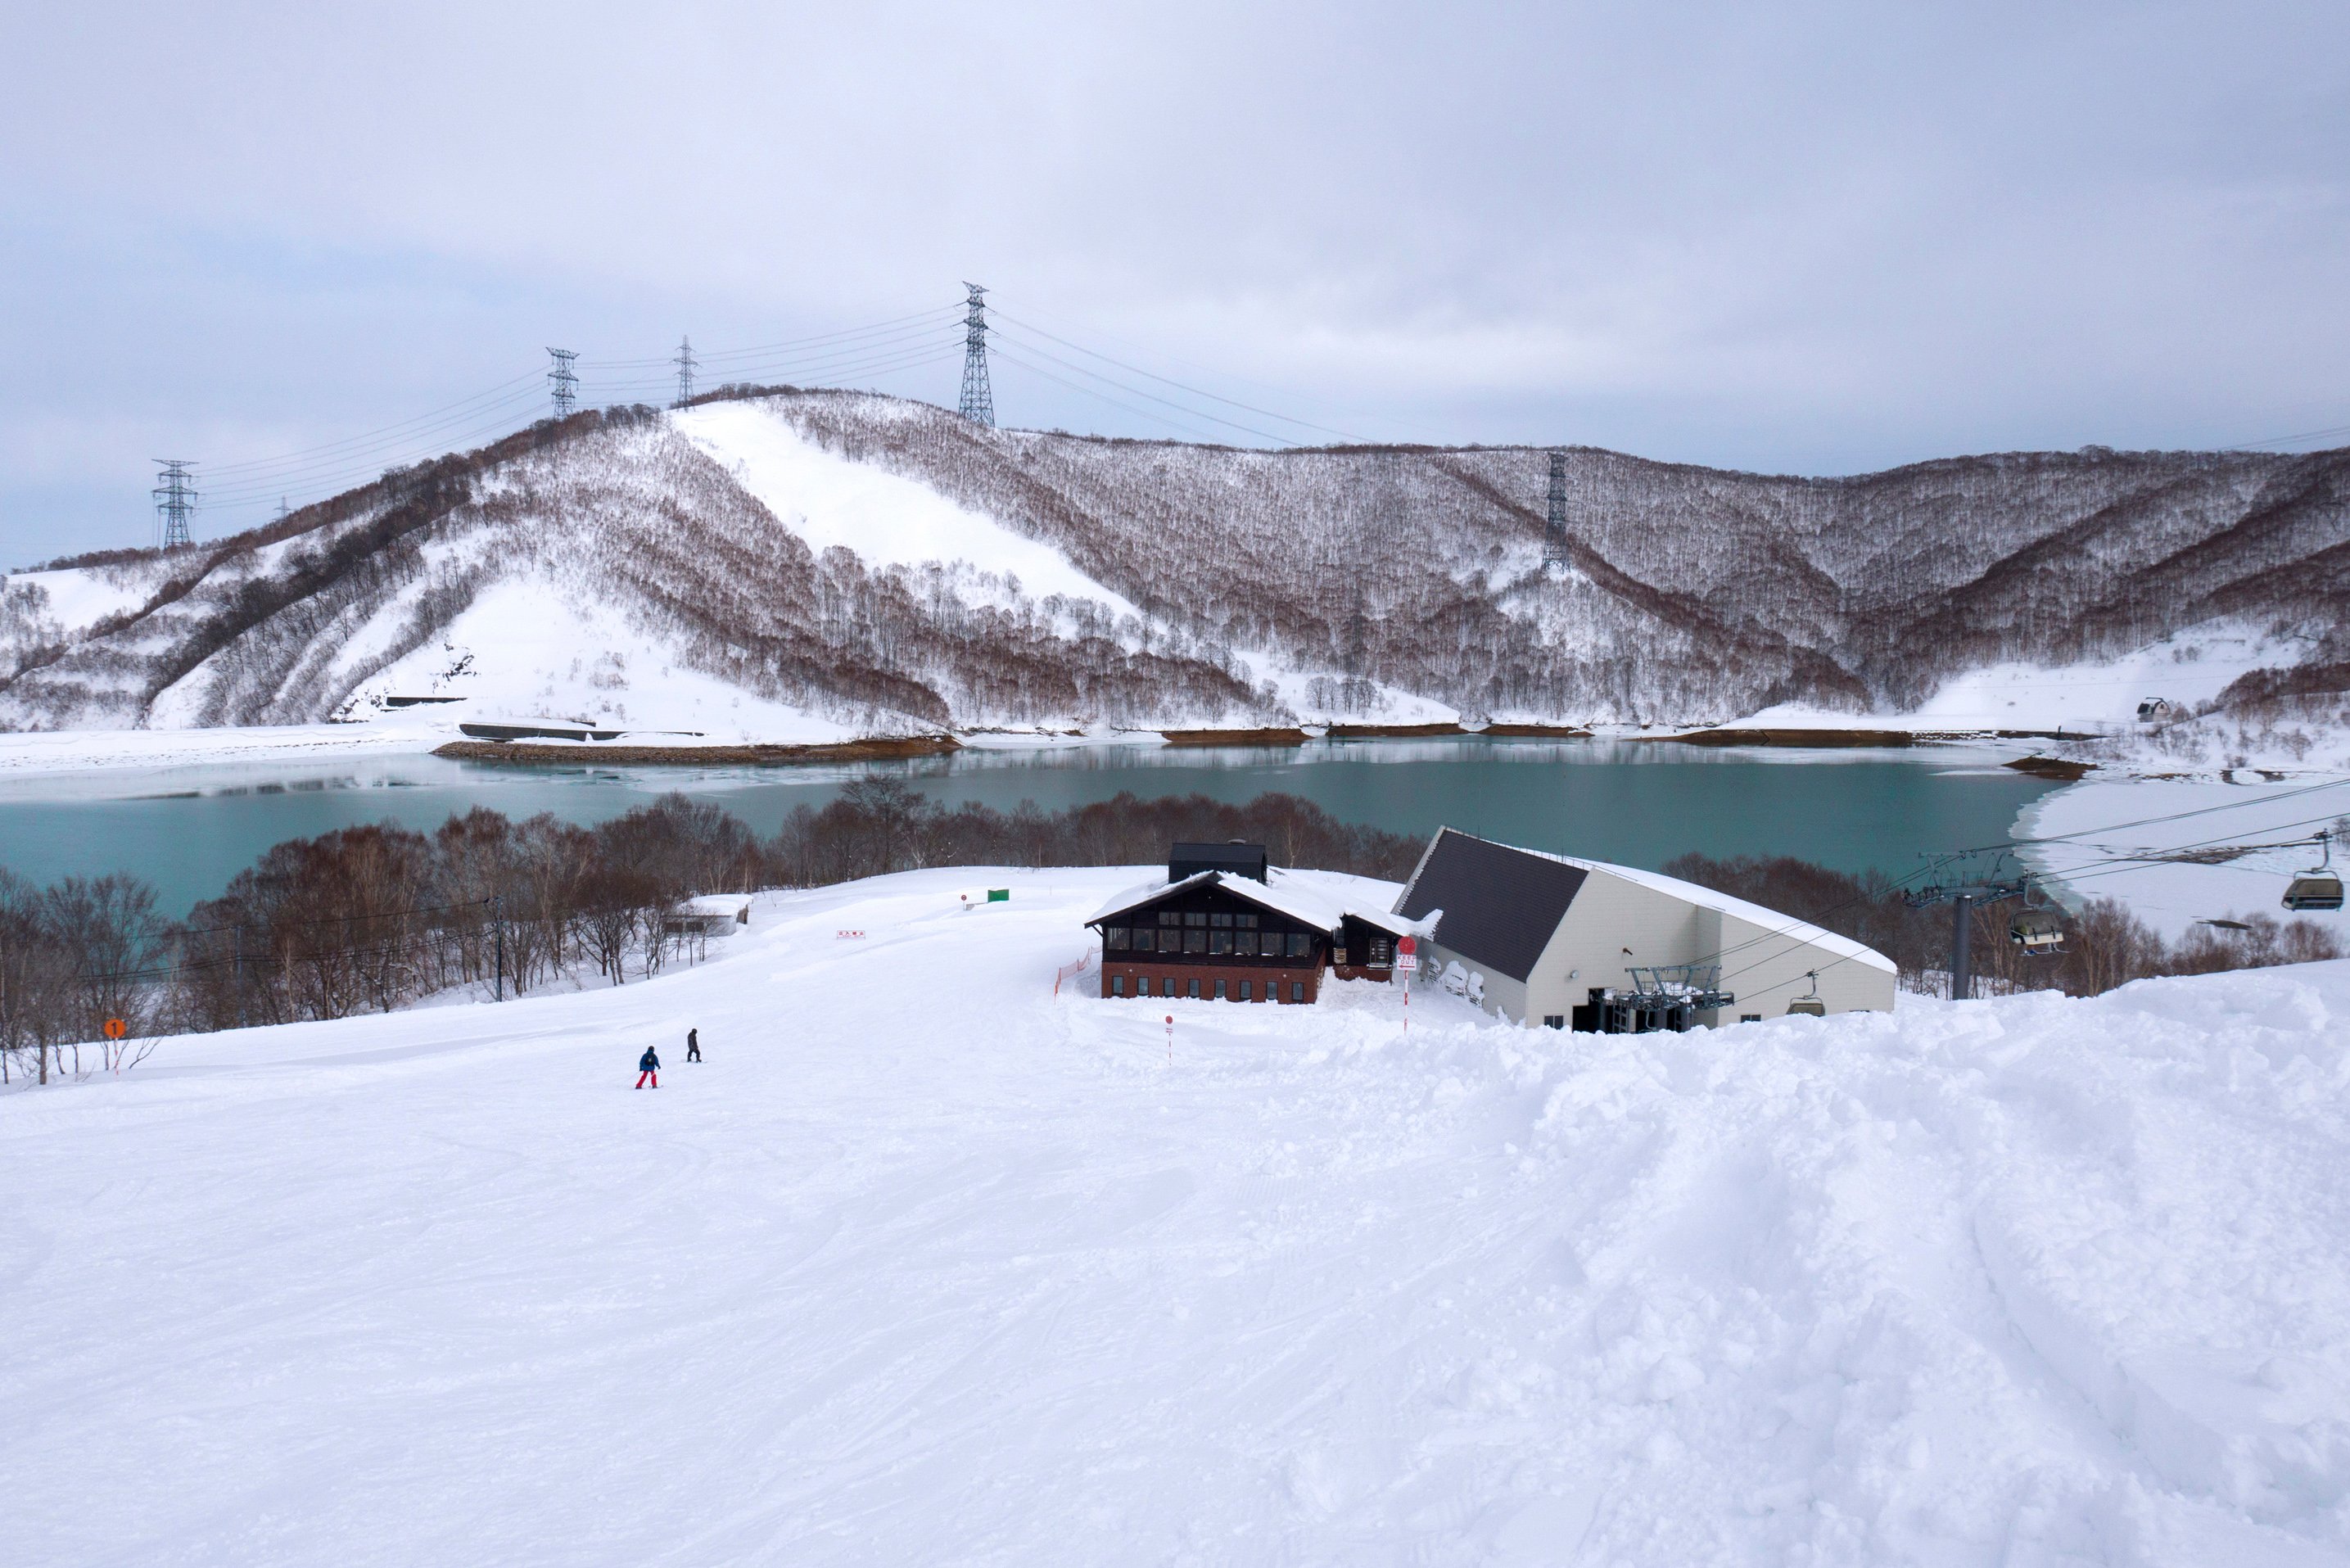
(694, 1044)
(649, 1067)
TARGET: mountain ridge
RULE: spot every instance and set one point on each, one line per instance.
(1204, 585)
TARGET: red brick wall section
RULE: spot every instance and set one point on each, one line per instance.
(1134, 972)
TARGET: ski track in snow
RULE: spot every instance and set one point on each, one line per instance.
(923, 1265)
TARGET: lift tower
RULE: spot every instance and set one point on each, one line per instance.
(978, 402)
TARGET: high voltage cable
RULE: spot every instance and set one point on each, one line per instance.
(882, 343)
(503, 387)
(1209, 436)
(1441, 437)
(788, 343)
(1139, 392)
(1165, 380)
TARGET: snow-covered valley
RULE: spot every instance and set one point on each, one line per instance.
(926, 1263)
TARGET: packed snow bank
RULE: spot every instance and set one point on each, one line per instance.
(923, 1265)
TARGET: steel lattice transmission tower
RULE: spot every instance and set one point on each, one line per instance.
(563, 381)
(684, 371)
(978, 401)
(1554, 515)
(175, 497)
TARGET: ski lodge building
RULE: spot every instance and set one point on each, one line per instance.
(1535, 937)
(1228, 926)
(1564, 942)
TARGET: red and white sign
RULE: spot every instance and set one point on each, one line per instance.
(1407, 954)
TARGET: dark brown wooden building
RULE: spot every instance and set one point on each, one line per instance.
(1226, 926)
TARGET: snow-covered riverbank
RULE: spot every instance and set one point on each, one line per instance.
(926, 1265)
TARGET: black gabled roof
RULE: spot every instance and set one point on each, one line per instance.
(1187, 860)
(1501, 905)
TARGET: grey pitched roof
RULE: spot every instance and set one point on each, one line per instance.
(1501, 905)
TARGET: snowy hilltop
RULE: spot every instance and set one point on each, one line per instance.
(807, 566)
(964, 1270)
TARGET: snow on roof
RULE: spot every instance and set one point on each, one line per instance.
(1775, 921)
(1285, 893)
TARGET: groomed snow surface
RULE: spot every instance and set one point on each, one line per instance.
(925, 1266)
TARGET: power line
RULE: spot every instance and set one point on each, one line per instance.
(1139, 392)
(1180, 386)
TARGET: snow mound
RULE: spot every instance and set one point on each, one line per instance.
(924, 1265)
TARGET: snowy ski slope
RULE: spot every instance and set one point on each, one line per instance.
(924, 1266)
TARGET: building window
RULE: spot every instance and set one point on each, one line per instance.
(1170, 917)
(1296, 991)
(1553, 1020)
(1196, 917)
(1248, 922)
(1244, 943)
(1194, 992)
(1220, 944)
(1118, 985)
(1749, 1018)
(1220, 991)
(1381, 954)
(1116, 936)
(1143, 938)
(1301, 945)
(1195, 942)
(1219, 921)
(1248, 990)
(1170, 986)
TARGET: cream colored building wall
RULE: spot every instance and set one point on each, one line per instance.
(1504, 997)
(1608, 915)
(1611, 913)
(1767, 973)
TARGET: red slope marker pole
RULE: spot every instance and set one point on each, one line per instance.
(1170, 1040)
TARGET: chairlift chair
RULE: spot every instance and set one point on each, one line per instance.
(2038, 932)
(1809, 1005)
(2319, 889)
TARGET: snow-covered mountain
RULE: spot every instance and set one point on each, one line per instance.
(806, 564)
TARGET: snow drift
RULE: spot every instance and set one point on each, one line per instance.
(924, 1265)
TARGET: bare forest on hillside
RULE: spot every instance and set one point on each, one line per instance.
(1352, 573)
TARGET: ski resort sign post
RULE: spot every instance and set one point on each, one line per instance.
(1407, 965)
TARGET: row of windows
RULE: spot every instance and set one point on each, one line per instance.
(1216, 943)
(1223, 919)
(1247, 991)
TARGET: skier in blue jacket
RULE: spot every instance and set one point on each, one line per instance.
(649, 1067)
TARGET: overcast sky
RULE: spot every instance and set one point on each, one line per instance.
(1819, 239)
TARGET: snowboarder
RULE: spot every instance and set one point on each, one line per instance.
(694, 1044)
(649, 1067)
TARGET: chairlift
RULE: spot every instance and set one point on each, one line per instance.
(1809, 1005)
(2037, 931)
(2319, 889)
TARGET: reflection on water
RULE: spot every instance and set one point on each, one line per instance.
(190, 829)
